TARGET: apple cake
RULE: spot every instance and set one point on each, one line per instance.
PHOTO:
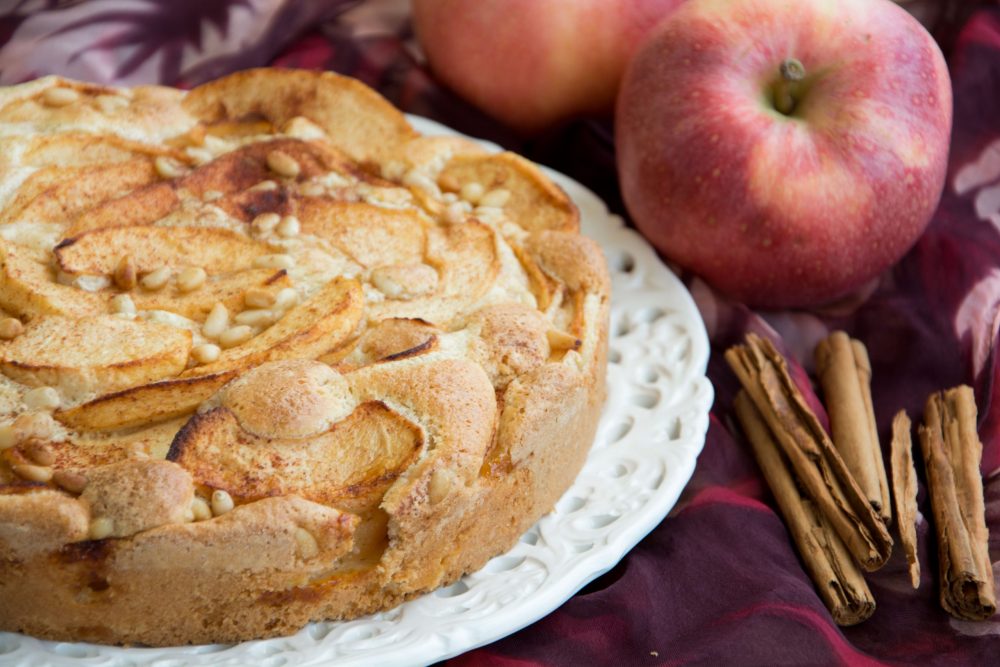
(268, 355)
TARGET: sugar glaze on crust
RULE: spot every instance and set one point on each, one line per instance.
(269, 356)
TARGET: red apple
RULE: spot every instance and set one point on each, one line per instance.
(786, 151)
(531, 63)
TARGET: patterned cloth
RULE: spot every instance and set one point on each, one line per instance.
(718, 582)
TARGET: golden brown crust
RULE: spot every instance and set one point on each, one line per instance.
(282, 359)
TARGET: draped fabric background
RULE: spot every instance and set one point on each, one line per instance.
(718, 582)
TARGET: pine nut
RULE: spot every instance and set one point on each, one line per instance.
(167, 167)
(255, 318)
(10, 328)
(42, 398)
(386, 284)
(488, 213)
(288, 227)
(303, 128)
(235, 336)
(60, 97)
(421, 181)
(286, 298)
(199, 155)
(111, 103)
(200, 509)
(439, 486)
(560, 340)
(495, 198)
(206, 353)
(40, 453)
(278, 261)
(125, 274)
(191, 278)
(73, 482)
(264, 186)
(312, 189)
(308, 547)
(283, 164)
(216, 322)
(393, 171)
(264, 224)
(157, 279)
(258, 297)
(123, 304)
(472, 192)
(100, 528)
(222, 502)
(455, 213)
(32, 473)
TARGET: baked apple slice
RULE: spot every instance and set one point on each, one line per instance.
(356, 120)
(98, 252)
(322, 323)
(81, 356)
(60, 194)
(370, 235)
(28, 288)
(228, 289)
(534, 201)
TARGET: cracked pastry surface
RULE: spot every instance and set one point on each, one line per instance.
(268, 355)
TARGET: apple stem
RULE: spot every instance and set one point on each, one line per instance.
(792, 72)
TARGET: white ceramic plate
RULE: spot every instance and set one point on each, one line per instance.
(650, 434)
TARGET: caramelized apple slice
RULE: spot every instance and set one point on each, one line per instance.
(370, 235)
(80, 451)
(356, 119)
(57, 194)
(227, 289)
(80, 150)
(231, 174)
(81, 356)
(98, 252)
(147, 404)
(28, 288)
(535, 202)
(465, 257)
(350, 466)
(322, 323)
(143, 206)
(248, 165)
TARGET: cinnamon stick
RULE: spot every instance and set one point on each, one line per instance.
(819, 468)
(952, 453)
(904, 491)
(838, 579)
(845, 374)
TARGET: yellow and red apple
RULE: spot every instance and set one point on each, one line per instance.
(531, 63)
(788, 151)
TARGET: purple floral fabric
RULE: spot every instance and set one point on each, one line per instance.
(718, 582)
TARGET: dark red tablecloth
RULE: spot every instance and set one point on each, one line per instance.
(718, 581)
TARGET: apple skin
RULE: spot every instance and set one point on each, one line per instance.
(776, 210)
(532, 63)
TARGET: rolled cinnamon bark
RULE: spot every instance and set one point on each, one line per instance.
(819, 468)
(836, 575)
(952, 453)
(845, 374)
(904, 491)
